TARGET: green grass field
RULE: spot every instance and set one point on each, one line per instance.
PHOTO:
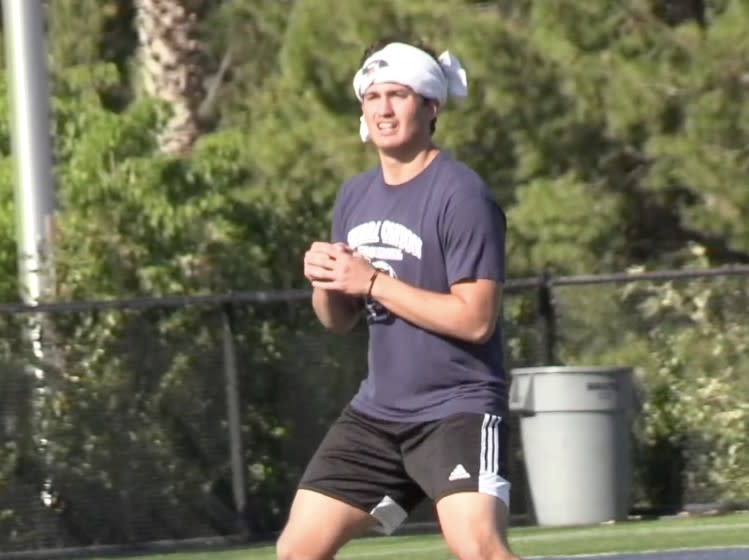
(630, 536)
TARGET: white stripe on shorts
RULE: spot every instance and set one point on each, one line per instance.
(490, 482)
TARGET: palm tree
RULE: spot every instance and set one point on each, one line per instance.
(173, 66)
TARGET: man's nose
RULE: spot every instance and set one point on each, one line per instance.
(385, 106)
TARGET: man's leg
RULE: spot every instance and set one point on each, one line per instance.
(318, 526)
(356, 480)
(458, 462)
(475, 526)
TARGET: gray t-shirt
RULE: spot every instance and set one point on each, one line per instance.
(436, 229)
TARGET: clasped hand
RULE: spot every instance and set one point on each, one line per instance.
(335, 266)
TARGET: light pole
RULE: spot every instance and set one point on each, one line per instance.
(34, 202)
(30, 135)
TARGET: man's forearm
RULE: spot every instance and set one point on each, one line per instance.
(445, 314)
(337, 312)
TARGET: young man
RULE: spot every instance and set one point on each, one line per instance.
(417, 246)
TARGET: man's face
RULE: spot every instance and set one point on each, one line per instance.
(396, 116)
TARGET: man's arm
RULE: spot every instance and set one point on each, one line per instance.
(338, 312)
(469, 312)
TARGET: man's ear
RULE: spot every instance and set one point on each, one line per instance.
(435, 105)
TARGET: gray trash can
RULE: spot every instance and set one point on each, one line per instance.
(575, 426)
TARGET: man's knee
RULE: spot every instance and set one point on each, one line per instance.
(290, 548)
(471, 550)
(285, 549)
(472, 545)
(481, 549)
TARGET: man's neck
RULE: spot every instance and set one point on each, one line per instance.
(399, 168)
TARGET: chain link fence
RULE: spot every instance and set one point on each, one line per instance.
(178, 420)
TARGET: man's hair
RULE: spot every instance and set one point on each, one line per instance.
(383, 42)
(407, 39)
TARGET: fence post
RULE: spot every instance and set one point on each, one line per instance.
(233, 416)
(547, 313)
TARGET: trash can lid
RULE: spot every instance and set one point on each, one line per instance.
(570, 369)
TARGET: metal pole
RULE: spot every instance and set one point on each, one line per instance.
(33, 193)
(233, 415)
(548, 315)
(32, 154)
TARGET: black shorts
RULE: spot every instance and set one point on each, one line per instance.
(386, 468)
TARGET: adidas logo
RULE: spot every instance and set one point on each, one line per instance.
(459, 473)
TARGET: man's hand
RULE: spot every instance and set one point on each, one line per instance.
(334, 266)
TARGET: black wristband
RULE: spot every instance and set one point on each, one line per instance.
(372, 281)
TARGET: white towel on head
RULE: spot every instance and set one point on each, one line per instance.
(412, 67)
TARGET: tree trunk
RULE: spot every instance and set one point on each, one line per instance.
(173, 66)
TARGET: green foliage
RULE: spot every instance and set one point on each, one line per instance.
(9, 286)
(250, 35)
(565, 222)
(75, 27)
(696, 384)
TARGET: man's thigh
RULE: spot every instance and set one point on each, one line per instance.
(319, 525)
(461, 453)
(359, 463)
(474, 525)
